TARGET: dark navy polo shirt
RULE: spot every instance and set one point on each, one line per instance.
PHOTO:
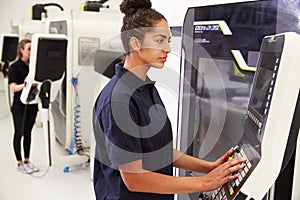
(130, 123)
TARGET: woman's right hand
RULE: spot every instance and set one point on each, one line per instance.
(224, 173)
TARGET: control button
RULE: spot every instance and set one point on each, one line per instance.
(243, 174)
(246, 170)
(271, 89)
(223, 192)
(257, 121)
(240, 178)
(220, 196)
(231, 191)
(232, 183)
(237, 182)
(249, 164)
(230, 157)
(213, 195)
(243, 153)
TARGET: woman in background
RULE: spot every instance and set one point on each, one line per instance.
(23, 115)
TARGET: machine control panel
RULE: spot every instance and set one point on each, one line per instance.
(274, 98)
(229, 190)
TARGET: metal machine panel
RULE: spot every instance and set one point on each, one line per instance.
(273, 108)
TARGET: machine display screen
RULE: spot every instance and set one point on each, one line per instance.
(9, 49)
(51, 62)
(262, 83)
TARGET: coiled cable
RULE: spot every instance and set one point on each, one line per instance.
(76, 139)
(76, 118)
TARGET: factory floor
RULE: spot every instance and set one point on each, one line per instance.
(48, 184)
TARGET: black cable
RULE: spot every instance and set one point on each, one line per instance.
(49, 144)
(42, 175)
(45, 100)
(38, 9)
(5, 68)
(53, 4)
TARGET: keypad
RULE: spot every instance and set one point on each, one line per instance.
(230, 187)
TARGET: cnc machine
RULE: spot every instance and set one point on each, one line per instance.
(220, 48)
(87, 32)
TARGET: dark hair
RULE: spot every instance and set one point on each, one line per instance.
(139, 17)
(21, 45)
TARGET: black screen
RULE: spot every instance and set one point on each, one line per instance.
(9, 49)
(51, 60)
(249, 22)
(262, 82)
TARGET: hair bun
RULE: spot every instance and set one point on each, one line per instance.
(129, 7)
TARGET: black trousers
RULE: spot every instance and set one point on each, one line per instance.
(24, 120)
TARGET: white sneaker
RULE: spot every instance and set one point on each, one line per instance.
(24, 168)
(33, 167)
